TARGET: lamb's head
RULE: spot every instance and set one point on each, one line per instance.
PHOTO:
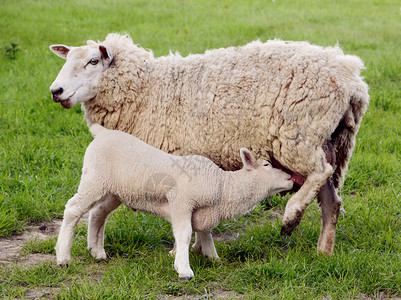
(269, 180)
(78, 80)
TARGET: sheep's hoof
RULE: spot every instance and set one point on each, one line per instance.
(323, 252)
(289, 227)
(284, 231)
(185, 278)
(62, 265)
(98, 255)
(213, 258)
(102, 260)
(289, 224)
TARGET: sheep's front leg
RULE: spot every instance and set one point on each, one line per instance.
(330, 207)
(75, 208)
(182, 230)
(204, 244)
(298, 203)
(97, 221)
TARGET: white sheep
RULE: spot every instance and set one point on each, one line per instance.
(295, 104)
(191, 192)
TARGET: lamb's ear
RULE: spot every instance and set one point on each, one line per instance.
(248, 159)
(60, 50)
(107, 55)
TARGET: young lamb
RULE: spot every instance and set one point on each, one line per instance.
(295, 104)
(191, 192)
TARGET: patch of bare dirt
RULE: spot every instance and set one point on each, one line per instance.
(42, 293)
(11, 247)
(11, 253)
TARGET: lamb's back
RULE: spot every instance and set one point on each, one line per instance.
(132, 166)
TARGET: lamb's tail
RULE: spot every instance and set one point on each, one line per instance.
(95, 129)
(343, 138)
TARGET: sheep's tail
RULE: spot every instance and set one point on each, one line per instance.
(343, 138)
(95, 129)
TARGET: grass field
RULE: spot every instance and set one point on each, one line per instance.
(42, 147)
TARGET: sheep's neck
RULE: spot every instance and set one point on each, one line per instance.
(241, 192)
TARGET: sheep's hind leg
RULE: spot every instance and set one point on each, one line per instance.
(204, 244)
(330, 207)
(298, 203)
(97, 221)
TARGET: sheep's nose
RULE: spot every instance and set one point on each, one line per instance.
(56, 93)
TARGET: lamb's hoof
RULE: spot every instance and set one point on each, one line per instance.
(63, 265)
(98, 255)
(213, 258)
(102, 260)
(185, 278)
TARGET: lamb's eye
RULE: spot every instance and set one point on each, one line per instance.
(265, 164)
(94, 61)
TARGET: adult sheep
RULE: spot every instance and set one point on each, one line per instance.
(293, 103)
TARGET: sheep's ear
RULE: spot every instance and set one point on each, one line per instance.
(248, 159)
(107, 55)
(60, 50)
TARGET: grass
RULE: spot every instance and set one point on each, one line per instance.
(42, 146)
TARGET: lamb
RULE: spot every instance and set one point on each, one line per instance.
(295, 104)
(191, 192)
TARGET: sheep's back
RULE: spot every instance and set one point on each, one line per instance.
(279, 99)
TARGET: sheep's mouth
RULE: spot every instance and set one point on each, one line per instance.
(66, 103)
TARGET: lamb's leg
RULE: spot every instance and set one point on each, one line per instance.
(330, 207)
(204, 244)
(182, 230)
(75, 208)
(97, 221)
(197, 246)
(299, 201)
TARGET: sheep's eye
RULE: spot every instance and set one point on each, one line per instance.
(265, 164)
(94, 61)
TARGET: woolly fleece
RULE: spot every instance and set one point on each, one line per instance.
(279, 99)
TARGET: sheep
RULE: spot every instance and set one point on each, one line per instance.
(191, 192)
(297, 105)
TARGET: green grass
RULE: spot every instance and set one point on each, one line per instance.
(42, 147)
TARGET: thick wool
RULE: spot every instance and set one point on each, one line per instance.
(281, 100)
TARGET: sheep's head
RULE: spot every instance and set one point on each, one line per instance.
(269, 179)
(78, 80)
